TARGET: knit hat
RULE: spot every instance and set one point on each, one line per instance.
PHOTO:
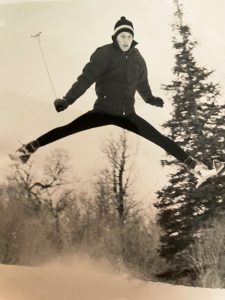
(123, 25)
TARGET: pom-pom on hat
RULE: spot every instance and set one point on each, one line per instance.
(123, 25)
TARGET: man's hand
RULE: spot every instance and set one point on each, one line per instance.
(156, 101)
(61, 104)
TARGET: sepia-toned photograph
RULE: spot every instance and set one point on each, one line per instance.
(112, 157)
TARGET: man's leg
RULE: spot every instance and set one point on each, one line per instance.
(141, 127)
(91, 119)
(136, 124)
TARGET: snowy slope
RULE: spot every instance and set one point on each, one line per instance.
(82, 279)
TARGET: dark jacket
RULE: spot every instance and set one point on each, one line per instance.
(118, 75)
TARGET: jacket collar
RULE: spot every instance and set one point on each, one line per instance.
(134, 43)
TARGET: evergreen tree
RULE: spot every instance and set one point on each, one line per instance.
(197, 125)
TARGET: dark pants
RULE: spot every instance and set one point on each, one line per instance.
(132, 122)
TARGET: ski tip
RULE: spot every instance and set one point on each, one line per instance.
(199, 183)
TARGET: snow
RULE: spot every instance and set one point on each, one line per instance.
(82, 278)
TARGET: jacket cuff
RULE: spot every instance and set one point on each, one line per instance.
(150, 99)
(68, 100)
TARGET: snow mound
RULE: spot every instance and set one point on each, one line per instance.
(80, 278)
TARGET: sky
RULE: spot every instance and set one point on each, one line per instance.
(71, 31)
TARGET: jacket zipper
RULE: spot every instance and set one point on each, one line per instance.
(124, 113)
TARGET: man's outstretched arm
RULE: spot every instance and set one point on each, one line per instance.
(93, 69)
(144, 89)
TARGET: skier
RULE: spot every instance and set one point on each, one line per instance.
(118, 70)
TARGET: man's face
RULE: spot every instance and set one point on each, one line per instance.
(124, 40)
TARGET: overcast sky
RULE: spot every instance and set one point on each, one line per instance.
(71, 31)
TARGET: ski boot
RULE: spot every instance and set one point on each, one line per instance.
(218, 168)
(201, 171)
(23, 154)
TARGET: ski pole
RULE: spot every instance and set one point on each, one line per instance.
(37, 36)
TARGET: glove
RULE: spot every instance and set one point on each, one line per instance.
(61, 104)
(156, 101)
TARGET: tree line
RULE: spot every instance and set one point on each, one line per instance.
(45, 214)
